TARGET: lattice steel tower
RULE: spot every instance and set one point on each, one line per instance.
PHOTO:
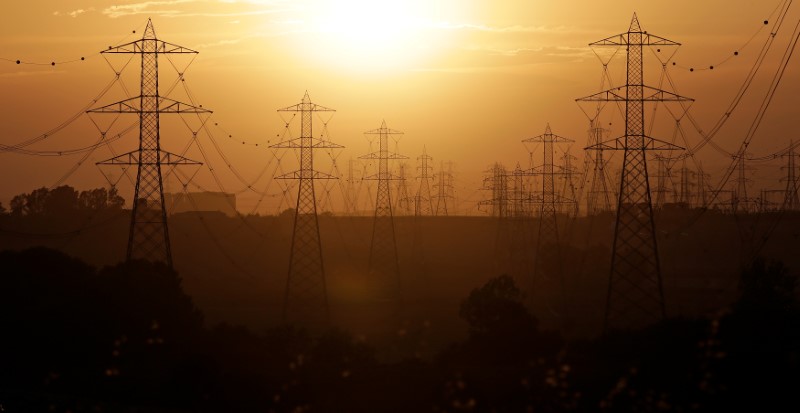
(306, 298)
(598, 197)
(384, 270)
(423, 203)
(547, 272)
(791, 199)
(550, 199)
(635, 292)
(444, 188)
(148, 238)
(497, 182)
(403, 202)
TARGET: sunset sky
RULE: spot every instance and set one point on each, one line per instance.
(467, 79)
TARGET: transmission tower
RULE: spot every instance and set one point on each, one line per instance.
(351, 193)
(664, 185)
(497, 182)
(791, 199)
(306, 298)
(423, 203)
(599, 194)
(403, 199)
(518, 226)
(148, 237)
(635, 293)
(384, 271)
(568, 191)
(741, 202)
(685, 194)
(547, 269)
(444, 188)
(550, 199)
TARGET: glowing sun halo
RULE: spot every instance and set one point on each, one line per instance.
(369, 34)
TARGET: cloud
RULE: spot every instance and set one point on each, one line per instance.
(198, 8)
(501, 29)
(76, 13)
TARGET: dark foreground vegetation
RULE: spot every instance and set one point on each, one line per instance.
(126, 338)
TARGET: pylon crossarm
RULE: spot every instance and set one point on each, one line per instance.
(173, 106)
(134, 158)
(299, 143)
(300, 175)
(623, 39)
(323, 144)
(620, 94)
(389, 177)
(137, 47)
(134, 105)
(548, 138)
(542, 170)
(313, 107)
(377, 155)
(650, 144)
(383, 131)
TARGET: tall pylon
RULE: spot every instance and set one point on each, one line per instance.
(148, 237)
(635, 289)
(664, 185)
(791, 199)
(550, 200)
(518, 225)
(403, 200)
(497, 182)
(306, 298)
(568, 191)
(741, 202)
(599, 196)
(423, 203)
(685, 194)
(444, 188)
(547, 272)
(384, 270)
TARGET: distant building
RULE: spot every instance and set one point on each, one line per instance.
(201, 202)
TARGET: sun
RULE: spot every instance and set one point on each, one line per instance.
(365, 35)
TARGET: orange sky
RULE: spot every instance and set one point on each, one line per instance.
(467, 79)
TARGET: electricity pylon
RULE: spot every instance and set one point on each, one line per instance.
(403, 202)
(497, 182)
(741, 202)
(635, 292)
(148, 237)
(568, 191)
(547, 269)
(685, 193)
(384, 270)
(423, 203)
(791, 199)
(306, 298)
(599, 195)
(550, 199)
(518, 208)
(444, 188)
(664, 185)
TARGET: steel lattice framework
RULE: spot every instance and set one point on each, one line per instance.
(598, 197)
(384, 270)
(306, 299)
(423, 203)
(791, 200)
(550, 199)
(635, 291)
(547, 269)
(148, 237)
